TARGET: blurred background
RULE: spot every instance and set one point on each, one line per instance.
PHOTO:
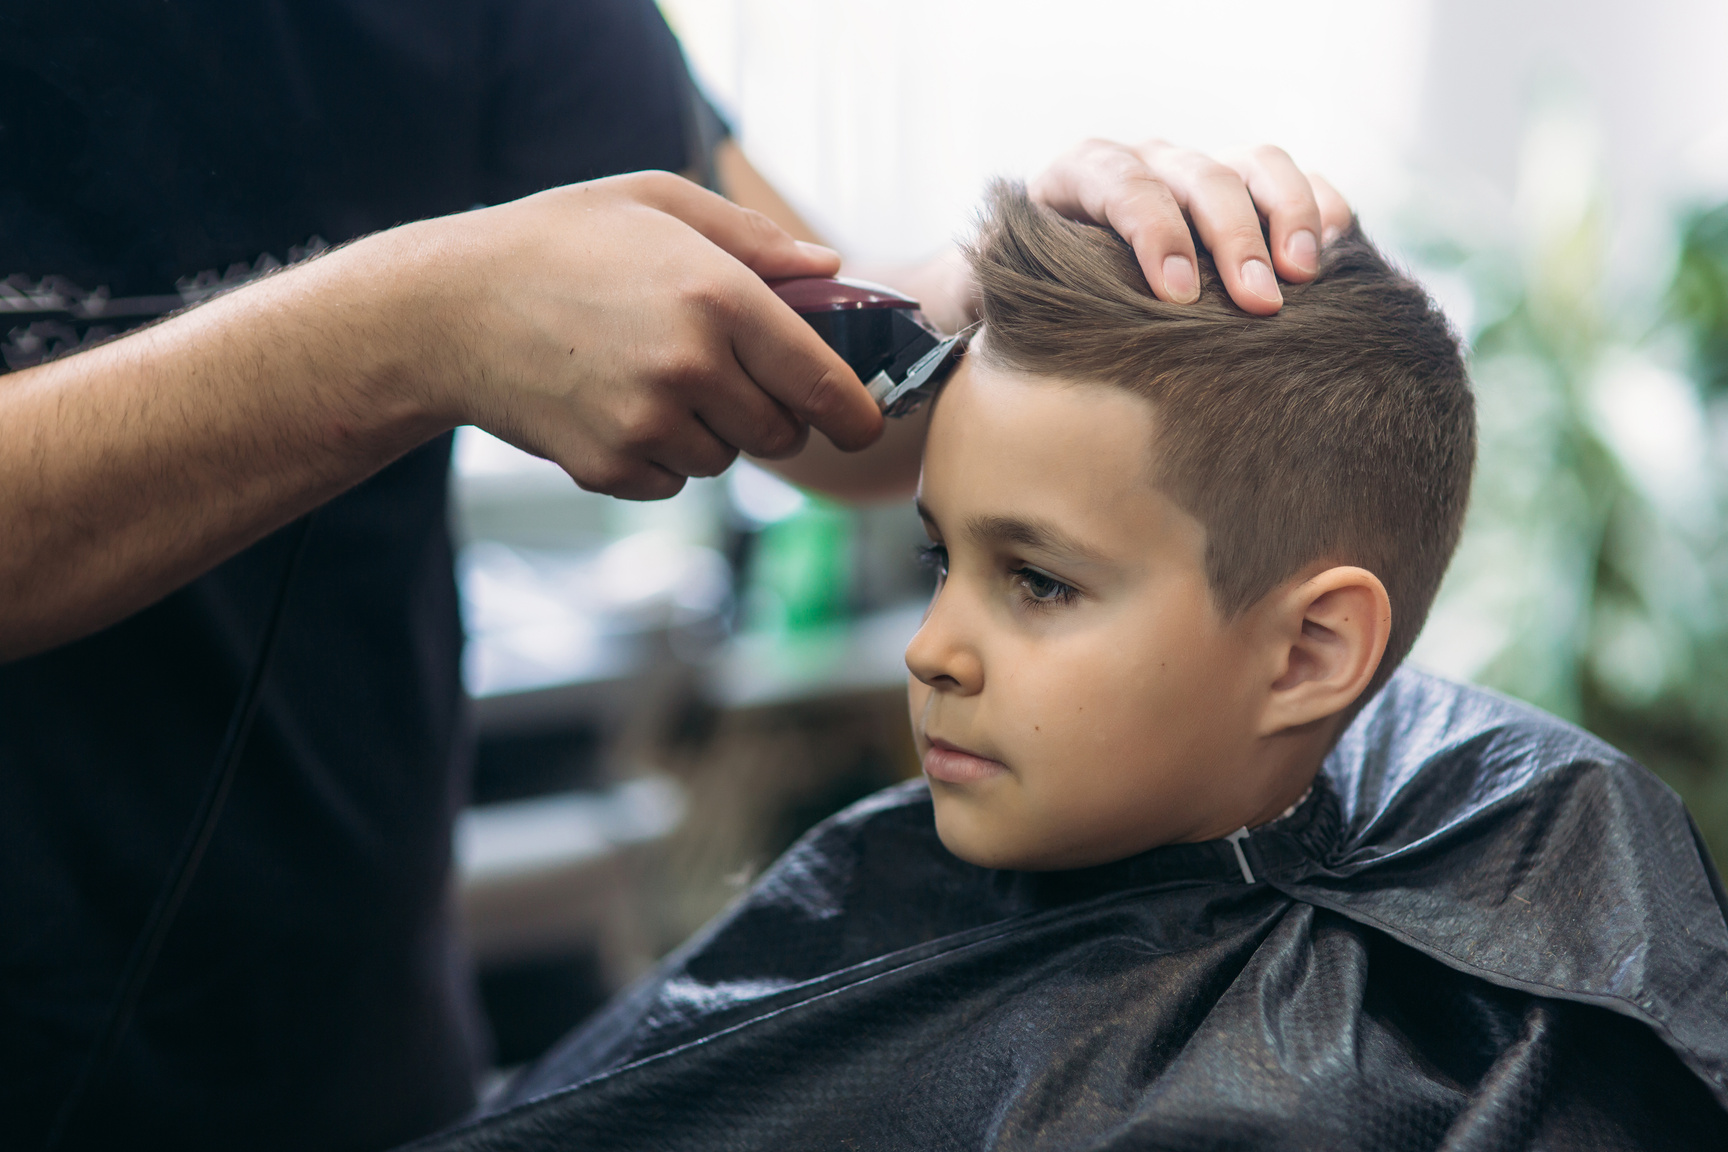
(1557, 175)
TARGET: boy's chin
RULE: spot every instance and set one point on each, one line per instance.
(971, 838)
(977, 839)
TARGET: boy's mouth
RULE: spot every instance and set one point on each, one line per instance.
(952, 764)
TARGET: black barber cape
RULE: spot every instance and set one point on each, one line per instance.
(309, 995)
(1483, 930)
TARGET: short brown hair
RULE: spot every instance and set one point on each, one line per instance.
(1341, 429)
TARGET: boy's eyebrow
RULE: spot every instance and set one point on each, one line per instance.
(1037, 534)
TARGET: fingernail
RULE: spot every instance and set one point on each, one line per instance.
(818, 251)
(1332, 234)
(1257, 278)
(1179, 279)
(1303, 251)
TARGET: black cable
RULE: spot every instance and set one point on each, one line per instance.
(173, 891)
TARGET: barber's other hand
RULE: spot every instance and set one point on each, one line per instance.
(1142, 192)
(622, 329)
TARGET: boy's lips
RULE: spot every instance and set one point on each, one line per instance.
(953, 764)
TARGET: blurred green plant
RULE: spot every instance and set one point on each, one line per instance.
(1682, 732)
(1592, 579)
(1699, 296)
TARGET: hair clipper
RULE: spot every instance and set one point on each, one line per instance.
(880, 334)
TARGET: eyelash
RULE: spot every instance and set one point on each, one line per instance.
(1031, 580)
(935, 558)
(1060, 593)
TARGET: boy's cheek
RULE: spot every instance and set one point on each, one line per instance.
(1055, 714)
(917, 695)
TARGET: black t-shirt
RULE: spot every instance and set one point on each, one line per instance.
(310, 994)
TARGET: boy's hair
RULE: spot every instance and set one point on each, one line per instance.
(1341, 429)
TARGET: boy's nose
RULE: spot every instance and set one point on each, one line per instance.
(942, 654)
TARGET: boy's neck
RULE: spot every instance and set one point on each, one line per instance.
(1290, 761)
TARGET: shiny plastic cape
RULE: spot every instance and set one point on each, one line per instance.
(1483, 929)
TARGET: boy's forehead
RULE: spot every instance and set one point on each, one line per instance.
(1018, 421)
(1008, 444)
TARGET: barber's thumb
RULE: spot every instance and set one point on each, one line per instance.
(819, 255)
(793, 258)
(748, 235)
(771, 252)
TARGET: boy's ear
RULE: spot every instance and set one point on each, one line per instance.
(1330, 632)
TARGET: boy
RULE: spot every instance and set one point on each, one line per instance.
(1153, 893)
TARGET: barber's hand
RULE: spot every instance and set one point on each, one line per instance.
(1143, 193)
(622, 329)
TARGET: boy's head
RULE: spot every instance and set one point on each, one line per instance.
(1180, 544)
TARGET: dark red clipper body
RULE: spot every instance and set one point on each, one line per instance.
(880, 334)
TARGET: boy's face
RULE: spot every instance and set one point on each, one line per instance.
(1075, 695)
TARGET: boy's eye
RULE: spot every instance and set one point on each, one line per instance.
(1043, 588)
(934, 557)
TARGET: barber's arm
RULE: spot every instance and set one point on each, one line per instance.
(620, 328)
(1148, 194)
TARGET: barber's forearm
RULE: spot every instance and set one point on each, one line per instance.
(887, 470)
(619, 327)
(129, 469)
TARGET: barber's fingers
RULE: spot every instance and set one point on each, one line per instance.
(788, 361)
(775, 346)
(1335, 213)
(1223, 212)
(745, 417)
(1284, 197)
(760, 244)
(707, 387)
(647, 457)
(691, 414)
(694, 450)
(1102, 182)
(599, 464)
(633, 480)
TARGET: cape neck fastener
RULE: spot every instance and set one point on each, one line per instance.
(1236, 839)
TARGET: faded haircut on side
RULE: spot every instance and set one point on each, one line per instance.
(1340, 430)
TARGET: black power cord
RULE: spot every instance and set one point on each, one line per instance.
(172, 894)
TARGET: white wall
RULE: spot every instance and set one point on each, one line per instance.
(882, 120)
